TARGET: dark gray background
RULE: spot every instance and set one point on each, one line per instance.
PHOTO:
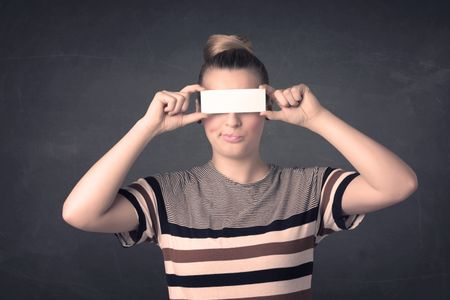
(75, 76)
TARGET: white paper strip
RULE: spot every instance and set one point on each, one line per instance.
(233, 100)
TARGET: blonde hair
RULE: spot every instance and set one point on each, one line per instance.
(231, 52)
(217, 43)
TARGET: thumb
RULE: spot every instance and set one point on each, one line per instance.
(193, 117)
(271, 115)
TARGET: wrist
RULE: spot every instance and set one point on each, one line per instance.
(149, 129)
(316, 123)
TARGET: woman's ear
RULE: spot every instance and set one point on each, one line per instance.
(268, 103)
(198, 107)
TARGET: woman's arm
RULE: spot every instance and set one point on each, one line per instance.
(96, 191)
(384, 178)
(94, 204)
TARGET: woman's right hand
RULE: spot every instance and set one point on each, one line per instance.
(166, 111)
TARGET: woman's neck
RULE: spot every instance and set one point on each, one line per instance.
(241, 171)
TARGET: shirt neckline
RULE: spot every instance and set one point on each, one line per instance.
(250, 184)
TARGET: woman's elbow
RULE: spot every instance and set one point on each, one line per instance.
(409, 187)
(414, 184)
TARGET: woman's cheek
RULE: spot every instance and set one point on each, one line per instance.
(212, 125)
(255, 123)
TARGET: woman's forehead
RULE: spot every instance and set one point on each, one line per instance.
(230, 79)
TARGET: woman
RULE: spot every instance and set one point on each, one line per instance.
(236, 226)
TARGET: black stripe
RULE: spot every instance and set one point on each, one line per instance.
(163, 222)
(240, 278)
(277, 225)
(135, 234)
(325, 175)
(151, 209)
(338, 216)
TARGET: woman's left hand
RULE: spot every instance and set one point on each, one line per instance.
(298, 105)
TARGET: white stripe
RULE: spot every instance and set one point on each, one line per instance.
(329, 221)
(241, 291)
(240, 265)
(290, 234)
(154, 202)
(126, 239)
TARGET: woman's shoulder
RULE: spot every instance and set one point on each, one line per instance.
(301, 169)
(179, 176)
(297, 173)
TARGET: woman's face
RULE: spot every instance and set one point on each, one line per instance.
(233, 135)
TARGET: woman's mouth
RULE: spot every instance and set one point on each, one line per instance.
(232, 138)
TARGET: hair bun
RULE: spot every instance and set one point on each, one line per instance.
(217, 43)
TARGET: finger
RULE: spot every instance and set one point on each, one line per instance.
(289, 97)
(186, 101)
(168, 100)
(179, 103)
(303, 89)
(272, 115)
(268, 88)
(185, 106)
(158, 99)
(192, 88)
(193, 117)
(281, 99)
(187, 91)
(296, 93)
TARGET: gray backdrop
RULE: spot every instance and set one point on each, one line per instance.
(75, 76)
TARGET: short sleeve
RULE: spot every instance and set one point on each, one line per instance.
(142, 197)
(331, 219)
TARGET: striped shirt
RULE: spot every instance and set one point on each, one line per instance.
(225, 240)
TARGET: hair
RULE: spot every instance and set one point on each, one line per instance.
(231, 52)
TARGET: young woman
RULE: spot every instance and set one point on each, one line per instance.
(236, 226)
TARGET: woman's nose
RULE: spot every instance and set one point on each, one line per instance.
(233, 120)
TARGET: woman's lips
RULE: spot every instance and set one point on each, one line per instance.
(232, 138)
